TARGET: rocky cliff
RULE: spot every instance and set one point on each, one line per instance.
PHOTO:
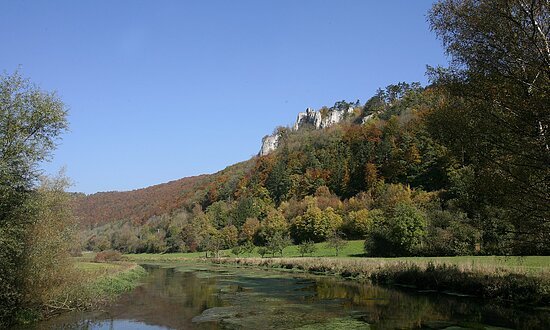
(317, 119)
(269, 143)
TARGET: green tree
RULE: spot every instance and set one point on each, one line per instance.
(315, 224)
(219, 214)
(229, 235)
(213, 242)
(492, 111)
(248, 247)
(277, 243)
(336, 242)
(399, 234)
(31, 120)
(408, 227)
(237, 250)
(249, 230)
(358, 223)
(307, 247)
(262, 251)
(274, 223)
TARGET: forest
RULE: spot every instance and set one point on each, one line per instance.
(460, 166)
(392, 181)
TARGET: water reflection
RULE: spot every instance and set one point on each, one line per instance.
(217, 297)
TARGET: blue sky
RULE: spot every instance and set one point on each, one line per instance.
(160, 90)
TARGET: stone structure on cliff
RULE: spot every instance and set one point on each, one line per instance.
(317, 119)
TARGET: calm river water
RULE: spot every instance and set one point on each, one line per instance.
(221, 297)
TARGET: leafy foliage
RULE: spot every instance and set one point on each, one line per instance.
(307, 247)
(33, 223)
(492, 112)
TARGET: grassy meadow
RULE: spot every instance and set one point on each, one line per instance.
(354, 250)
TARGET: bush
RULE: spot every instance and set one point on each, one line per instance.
(237, 250)
(107, 256)
(401, 235)
(262, 250)
(307, 247)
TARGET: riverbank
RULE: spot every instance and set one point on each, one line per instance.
(354, 250)
(90, 286)
(521, 279)
(105, 281)
(488, 282)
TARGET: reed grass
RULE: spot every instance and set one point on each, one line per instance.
(92, 285)
(481, 280)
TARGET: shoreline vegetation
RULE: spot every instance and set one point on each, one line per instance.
(483, 281)
(91, 285)
(523, 280)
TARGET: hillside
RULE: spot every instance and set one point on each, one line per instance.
(137, 206)
(397, 171)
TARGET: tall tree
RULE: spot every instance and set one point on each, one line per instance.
(30, 122)
(494, 113)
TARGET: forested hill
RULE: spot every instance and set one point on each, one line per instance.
(402, 171)
(137, 206)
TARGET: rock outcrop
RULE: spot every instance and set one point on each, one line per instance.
(309, 117)
(269, 144)
(320, 119)
(317, 119)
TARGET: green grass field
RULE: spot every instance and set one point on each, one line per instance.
(354, 249)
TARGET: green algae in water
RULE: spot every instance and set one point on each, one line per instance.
(347, 323)
(202, 296)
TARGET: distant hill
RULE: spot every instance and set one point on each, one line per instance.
(136, 205)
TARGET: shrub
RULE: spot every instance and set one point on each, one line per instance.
(109, 255)
(262, 251)
(237, 250)
(401, 235)
(307, 247)
(248, 248)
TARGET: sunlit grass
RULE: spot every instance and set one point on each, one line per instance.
(93, 284)
(354, 250)
(100, 267)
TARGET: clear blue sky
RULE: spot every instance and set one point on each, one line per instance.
(160, 90)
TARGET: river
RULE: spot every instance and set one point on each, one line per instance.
(203, 296)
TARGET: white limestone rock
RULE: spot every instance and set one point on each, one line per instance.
(334, 116)
(269, 144)
(309, 117)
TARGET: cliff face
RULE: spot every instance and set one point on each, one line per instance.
(269, 144)
(310, 117)
(320, 120)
